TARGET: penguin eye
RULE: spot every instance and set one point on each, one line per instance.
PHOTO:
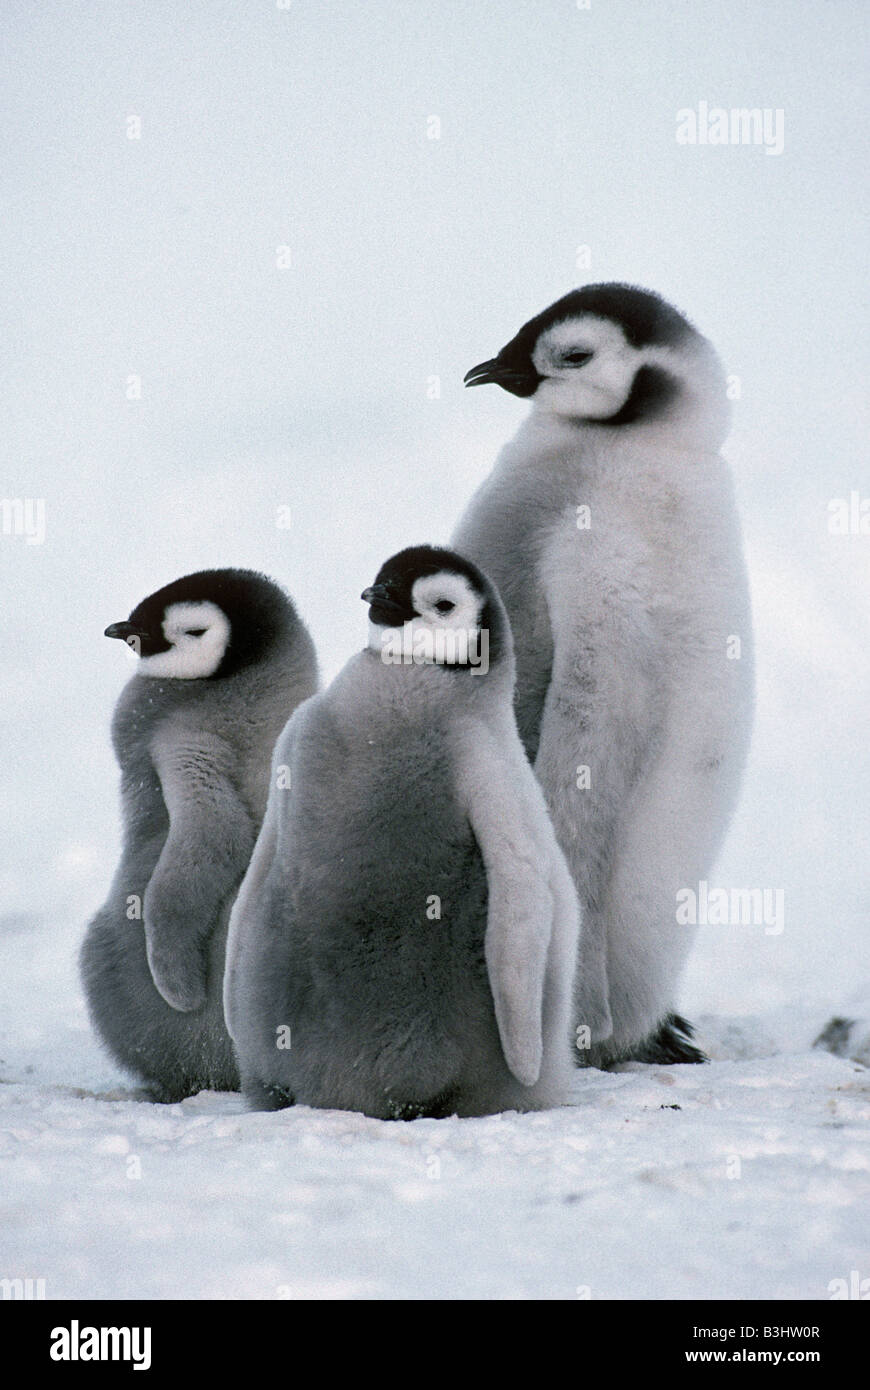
(445, 606)
(576, 357)
(195, 631)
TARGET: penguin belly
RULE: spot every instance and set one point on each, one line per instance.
(384, 984)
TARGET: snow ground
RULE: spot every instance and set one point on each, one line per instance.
(747, 1178)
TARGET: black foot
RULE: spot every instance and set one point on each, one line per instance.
(438, 1108)
(262, 1097)
(171, 1092)
(158, 1094)
(669, 1044)
(835, 1037)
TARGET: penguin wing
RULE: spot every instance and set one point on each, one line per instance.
(243, 918)
(211, 836)
(563, 748)
(248, 896)
(532, 905)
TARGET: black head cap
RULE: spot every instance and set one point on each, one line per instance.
(390, 595)
(258, 610)
(645, 318)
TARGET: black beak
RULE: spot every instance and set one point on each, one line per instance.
(480, 375)
(376, 593)
(519, 381)
(124, 631)
(384, 609)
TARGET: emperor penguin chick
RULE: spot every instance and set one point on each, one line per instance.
(223, 660)
(610, 528)
(404, 941)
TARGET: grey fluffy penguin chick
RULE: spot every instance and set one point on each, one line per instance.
(404, 940)
(222, 661)
(610, 528)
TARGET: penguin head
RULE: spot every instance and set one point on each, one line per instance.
(209, 624)
(437, 607)
(612, 354)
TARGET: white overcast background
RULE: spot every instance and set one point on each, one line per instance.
(309, 387)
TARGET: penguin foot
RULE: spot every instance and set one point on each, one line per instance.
(835, 1037)
(847, 1037)
(261, 1096)
(669, 1044)
(180, 1085)
(438, 1108)
(158, 1093)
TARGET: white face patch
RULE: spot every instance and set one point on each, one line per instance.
(446, 600)
(446, 630)
(594, 388)
(198, 633)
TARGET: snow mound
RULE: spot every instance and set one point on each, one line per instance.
(748, 1177)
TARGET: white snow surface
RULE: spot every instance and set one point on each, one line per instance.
(746, 1178)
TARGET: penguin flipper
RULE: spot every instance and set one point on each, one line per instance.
(562, 751)
(244, 923)
(526, 906)
(211, 836)
(250, 890)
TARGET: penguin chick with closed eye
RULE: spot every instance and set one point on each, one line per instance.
(223, 660)
(404, 941)
(610, 528)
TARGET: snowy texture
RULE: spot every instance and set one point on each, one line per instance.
(749, 1177)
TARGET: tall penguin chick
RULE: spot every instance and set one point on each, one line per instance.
(610, 528)
(403, 943)
(223, 660)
